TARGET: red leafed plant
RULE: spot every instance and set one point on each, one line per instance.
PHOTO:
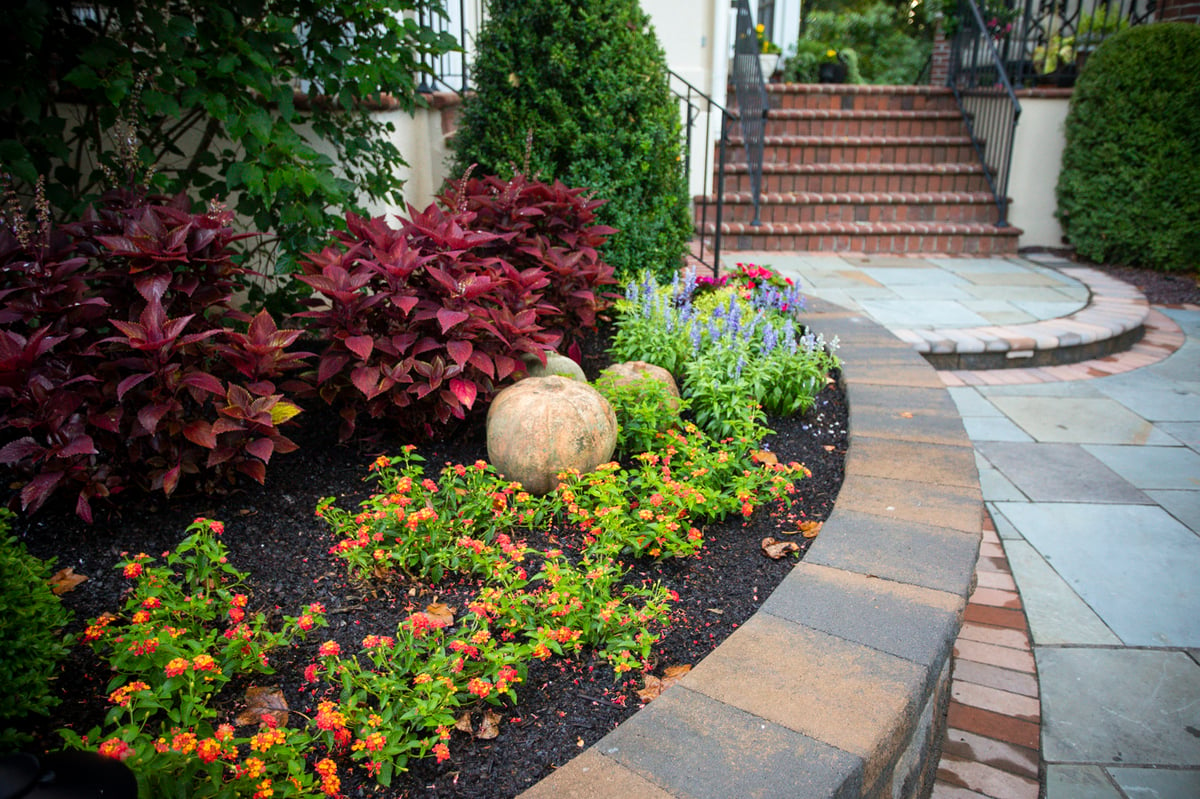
(117, 363)
(423, 323)
(548, 227)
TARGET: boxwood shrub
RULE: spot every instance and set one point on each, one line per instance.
(31, 622)
(588, 79)
(1129, 190)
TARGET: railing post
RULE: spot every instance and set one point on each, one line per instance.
(720, 193)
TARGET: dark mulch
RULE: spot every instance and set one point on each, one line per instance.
(1160, 288)
(272, 533)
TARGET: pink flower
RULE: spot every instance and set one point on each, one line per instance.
(329, 649)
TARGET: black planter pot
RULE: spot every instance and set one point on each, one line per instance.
(832, 73)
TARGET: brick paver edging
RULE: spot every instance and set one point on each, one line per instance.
(838, 685)
(1112, 321)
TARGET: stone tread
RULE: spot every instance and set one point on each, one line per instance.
(942, 168)
(858, 198)
(865, 229)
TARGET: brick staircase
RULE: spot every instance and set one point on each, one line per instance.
(861, 169)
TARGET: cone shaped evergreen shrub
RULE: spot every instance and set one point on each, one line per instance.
(589, 80)
(1129, 190)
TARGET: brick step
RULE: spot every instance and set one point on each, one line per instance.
(853, 207)
(869, 237)
(867, 178)
(858, 149)
(832, 122)
(860, 98)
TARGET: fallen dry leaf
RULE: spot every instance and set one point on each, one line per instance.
(463, 723)
(440, 613)
(830, 447)
(263, 703)
(763, 456)
(489, 728)
(775, 549)
(810, 529)
(651, 688)
(654, 686)
(65, 580)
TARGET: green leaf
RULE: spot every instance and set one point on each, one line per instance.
(82, 76)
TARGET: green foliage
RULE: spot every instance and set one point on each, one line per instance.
(588, 80)
(185, 634)
(207, 90)
(738, 348)
(31, 622)
(1129, 190)
(644, 409)
(890, 48)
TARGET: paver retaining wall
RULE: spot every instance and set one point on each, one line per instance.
(838, 685)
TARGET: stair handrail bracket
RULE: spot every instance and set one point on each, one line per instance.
(984, 93)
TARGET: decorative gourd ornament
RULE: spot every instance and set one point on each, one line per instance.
(556, 364)
(631, 371)
(541, 426)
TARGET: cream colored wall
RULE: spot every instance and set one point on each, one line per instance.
(1037, 159)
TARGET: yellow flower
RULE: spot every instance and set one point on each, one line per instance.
(759, 27)
(831, 53)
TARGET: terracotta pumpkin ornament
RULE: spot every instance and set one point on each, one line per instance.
(541, 426)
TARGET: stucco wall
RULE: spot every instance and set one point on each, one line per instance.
(1037, 159)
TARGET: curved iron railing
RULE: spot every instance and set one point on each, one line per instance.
(698, 110)
(986, 98)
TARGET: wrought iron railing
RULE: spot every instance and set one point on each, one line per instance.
(1047, 42)
(750, 92)
(986, 98)
(698, 111)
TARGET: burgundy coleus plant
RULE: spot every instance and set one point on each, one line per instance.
(117, 365)
(548, 227)
(417, 327)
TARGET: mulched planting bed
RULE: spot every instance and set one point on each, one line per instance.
(1160, 288)
(273, 534)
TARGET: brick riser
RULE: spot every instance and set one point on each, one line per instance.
(889, 237)
(865, 178)
(857, 207)
(859, 150)
(861, 169)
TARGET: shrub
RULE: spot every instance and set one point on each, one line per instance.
(118, 365)
(31, 622)
(423, 323)
(589, 81)
(1129, 190)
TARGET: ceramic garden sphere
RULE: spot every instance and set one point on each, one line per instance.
(541, 426)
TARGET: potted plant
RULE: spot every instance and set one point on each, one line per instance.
(832, 68)
(768, 52)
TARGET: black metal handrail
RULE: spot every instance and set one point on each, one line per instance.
(752, 101)
(695, 106)
(986, 98)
